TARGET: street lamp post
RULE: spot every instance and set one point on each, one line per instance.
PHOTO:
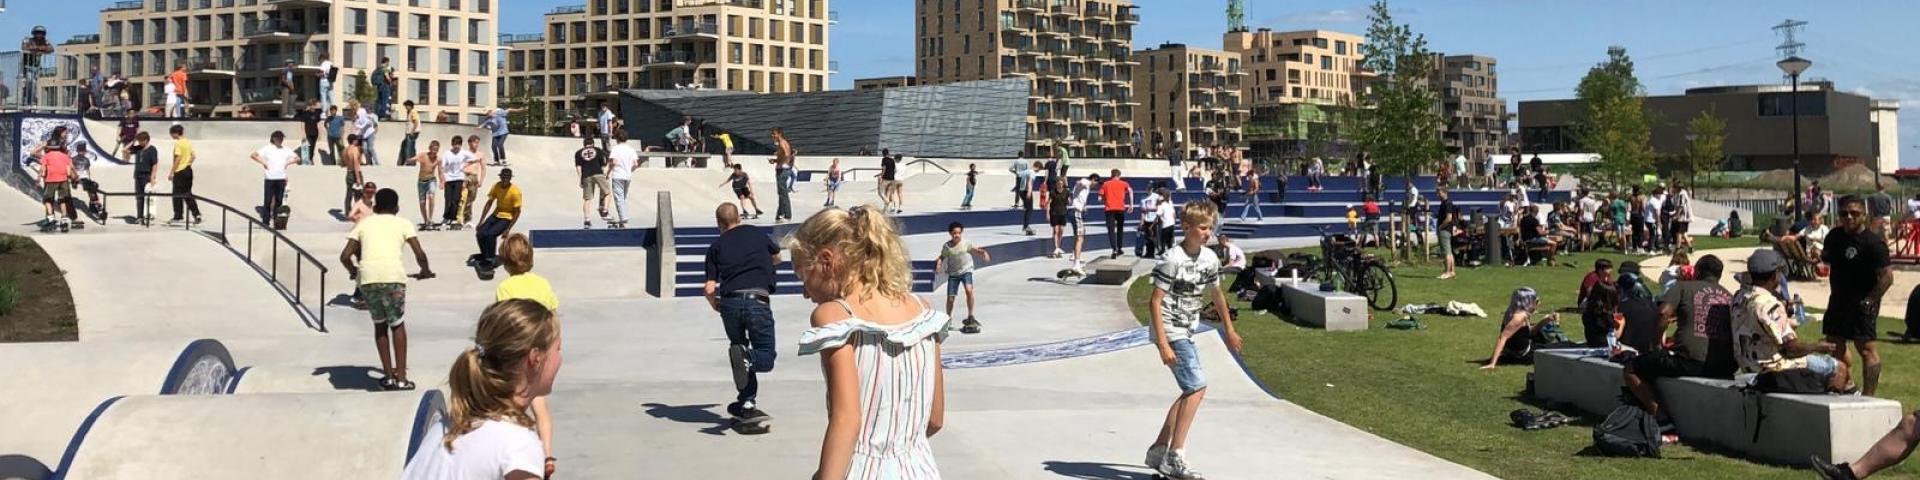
(1793, 66)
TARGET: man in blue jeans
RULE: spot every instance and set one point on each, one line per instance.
(740, 276)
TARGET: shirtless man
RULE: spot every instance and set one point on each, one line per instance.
(429, 179)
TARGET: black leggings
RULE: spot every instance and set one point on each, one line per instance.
(1116, 223)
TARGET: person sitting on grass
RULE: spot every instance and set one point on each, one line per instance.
(1517, 337)
(1602, 273)
(1599, 316)
(1702, 349)
(1533, 235)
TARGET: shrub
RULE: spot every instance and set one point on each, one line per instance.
(9, 295)
(11, 243)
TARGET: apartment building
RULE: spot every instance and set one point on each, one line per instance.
(1076, 53)
(1193, 91)
(881, 83)
(589, 51)
(1299, 85)
(441, 50)
(1470, 103)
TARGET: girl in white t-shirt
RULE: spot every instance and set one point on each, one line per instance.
(488, 434)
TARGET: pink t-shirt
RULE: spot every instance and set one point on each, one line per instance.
(58, 165)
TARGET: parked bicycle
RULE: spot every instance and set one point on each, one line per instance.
(1345, 265)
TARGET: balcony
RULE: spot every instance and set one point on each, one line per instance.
(1128, 16)
(1060, 8)
(693, 32)
(260, 97)
(833, 66)
(1030, 6)
(668, 61)
(126, 5)
(718, 3)
(509, 39)
(300, 3)
(82, 39)
(274, 29)
(833, 17)
(211, 67)
(568, 10)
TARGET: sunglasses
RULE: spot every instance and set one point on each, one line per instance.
(1853, 213)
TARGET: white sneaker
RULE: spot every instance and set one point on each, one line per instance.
(1058, 252)
(1156, 456)
(1176, 467)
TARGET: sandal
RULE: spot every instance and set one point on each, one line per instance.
(389, 383)
(403, 385)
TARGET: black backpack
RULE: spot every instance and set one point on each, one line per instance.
(1628, 432)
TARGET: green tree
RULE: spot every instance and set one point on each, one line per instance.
(1612, 123)
(1706, 142)
(1399, 123)
(363, 91)
(525, 113)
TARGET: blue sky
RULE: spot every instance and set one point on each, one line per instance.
(1543, 46)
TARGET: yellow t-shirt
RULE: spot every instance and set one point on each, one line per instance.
(527, 286)
(508, 198)
(726, 140)
(182, 154)
(382, 239)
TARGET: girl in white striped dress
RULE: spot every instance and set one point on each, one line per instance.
(879, 347)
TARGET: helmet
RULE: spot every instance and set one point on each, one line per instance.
(37, 29)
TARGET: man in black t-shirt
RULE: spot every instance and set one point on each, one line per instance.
(1860, 274)
(1702, 311)
(889, 168)
(1533, 234)
(145, 176)
(310, 119)
(1446, 220)
(739, 279)
(591, 163)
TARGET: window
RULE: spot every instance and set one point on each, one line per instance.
(1339, 47)
(452, 63)
(1326, 62)
(356, 55)
(422, 27)
(1320, 42)
(358, 17)
(475, 29)
(1782, 104)
(390, 24)
(446, 91)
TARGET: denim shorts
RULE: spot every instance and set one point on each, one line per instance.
(1186, 366)
(1823, 365)
(955, 281)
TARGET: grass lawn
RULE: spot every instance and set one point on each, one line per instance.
(35, 305)
(1424, 389)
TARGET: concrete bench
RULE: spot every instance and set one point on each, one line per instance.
(1335, 311)
(1711, 412)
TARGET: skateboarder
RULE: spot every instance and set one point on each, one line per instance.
(453, 178)
(739, 278)
(503, 205)
(375, 242)
(146, 177)
(428, 179)
(743, 189)
(1182, 286)
(957, 257)
(475, 173)
(867, 324)
(590, 162)
(274, 159)
(181, 176)
(56, 179)
(624, 159)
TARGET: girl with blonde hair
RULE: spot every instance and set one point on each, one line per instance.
(488, 433)
(879, 347)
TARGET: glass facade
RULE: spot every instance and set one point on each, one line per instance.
(982, 119)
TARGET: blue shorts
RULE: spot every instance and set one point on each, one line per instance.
(1823, 365)
(954, 282)
(1186, 366)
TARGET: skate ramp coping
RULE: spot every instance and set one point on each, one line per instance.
(279, 436)
(42, 418)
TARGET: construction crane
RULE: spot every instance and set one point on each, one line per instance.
(1236, 15)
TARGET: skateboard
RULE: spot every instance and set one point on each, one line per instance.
(428, 227)
(616, 225)
(50, 226)
(751, 426)
(1069, 274)
(481, 268)
(970, 326)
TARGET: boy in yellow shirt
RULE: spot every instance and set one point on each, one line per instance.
(516, 254)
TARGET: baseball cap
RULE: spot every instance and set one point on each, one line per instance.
(1765, 261)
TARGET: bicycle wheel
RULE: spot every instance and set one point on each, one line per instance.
(1379, 287)
(1330, 275)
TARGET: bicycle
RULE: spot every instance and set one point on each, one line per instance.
(1343, 264)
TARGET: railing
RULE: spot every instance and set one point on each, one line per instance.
(568, 9)
(668, 57)
(1031, 4)
(82, 39)
(272, 26)
(833, 16)
(692, 29)
(126, 5)
(833, 66)
(314, 313)
(202, 64)
(509, 38)
(704, 3)
(262, 95)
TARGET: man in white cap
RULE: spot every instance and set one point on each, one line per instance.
(1764, 340)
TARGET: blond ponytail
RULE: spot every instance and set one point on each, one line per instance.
(869, 243)
(488, 376)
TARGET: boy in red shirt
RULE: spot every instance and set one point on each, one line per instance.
(56, 175)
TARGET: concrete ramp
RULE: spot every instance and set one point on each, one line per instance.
(279, 436)
(167, 285)
(52, 388)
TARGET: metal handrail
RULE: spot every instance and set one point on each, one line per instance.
(927, 162)
(314, 312)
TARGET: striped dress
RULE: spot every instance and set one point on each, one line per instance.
(897, 365)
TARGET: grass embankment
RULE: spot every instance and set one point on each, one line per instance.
(1424, 389)
(35, 304)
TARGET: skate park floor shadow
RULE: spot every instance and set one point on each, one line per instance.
(1098, 471)
(22, 466)
(350, 377)
(716, 424)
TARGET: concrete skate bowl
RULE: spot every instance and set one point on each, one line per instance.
(278, 436)
(40, 419)
(20, 132)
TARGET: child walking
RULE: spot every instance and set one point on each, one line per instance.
(743, 190)
(879, 347)
(833, 182)
(973, 179)
(514, 359)
(1182, 285)
(956, 256)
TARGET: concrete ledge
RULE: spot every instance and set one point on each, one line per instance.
(1334, 311)
(1777, 428)
(1110, 271)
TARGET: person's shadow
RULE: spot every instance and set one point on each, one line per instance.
(1098, 471)
(350, 377)
(716, 424)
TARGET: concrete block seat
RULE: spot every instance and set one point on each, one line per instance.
(1334, 311)
(52, 388)
(322, 435)
(1773, 427)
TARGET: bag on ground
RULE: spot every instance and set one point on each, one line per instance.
(1628, 432)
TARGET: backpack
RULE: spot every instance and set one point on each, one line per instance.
(333, 74)
(1627, 432)
(1797, 380)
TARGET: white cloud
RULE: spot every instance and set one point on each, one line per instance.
(1320, 17)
